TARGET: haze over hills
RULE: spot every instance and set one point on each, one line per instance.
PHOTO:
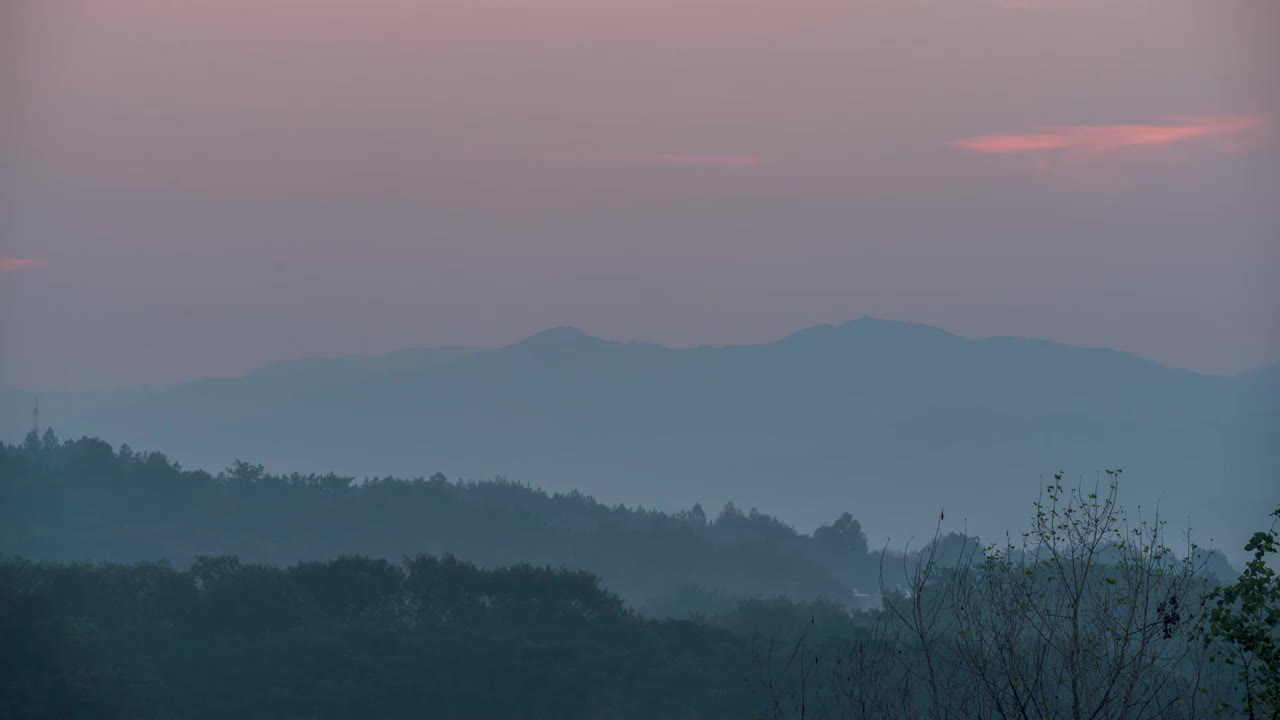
(890, 421)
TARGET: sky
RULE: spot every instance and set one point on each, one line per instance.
(199, 187)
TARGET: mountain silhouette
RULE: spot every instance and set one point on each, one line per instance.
(888, 420)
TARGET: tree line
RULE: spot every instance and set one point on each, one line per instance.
(266, 611)
(1088, 615)
(84, 500)
(350, 637)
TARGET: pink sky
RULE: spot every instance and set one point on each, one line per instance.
(198, 177)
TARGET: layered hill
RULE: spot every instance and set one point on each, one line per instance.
(891, 421)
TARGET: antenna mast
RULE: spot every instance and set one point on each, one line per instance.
(35, 417)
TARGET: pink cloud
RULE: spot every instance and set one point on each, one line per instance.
(1236, 131)
(8, 263)
(713, 161)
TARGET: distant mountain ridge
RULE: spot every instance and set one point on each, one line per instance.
(878, 414)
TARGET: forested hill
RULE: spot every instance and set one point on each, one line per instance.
(869, 414)
(83, 501)
(349, 638)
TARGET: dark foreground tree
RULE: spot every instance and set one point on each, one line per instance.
(1086, 616)
(1241, 629)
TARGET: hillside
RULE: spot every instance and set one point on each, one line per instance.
(871, 414)
(80, 500)
(348, 638)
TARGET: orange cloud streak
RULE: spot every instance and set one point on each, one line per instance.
(1110, 138)
(8, 263)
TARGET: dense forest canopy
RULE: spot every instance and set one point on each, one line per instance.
(351, 637)
(133, 588)
(82, 500)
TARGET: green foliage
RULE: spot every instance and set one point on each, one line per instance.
(1242, 626)
(1085, 616)
(83, 501)
(45, 668)
(352, 637)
